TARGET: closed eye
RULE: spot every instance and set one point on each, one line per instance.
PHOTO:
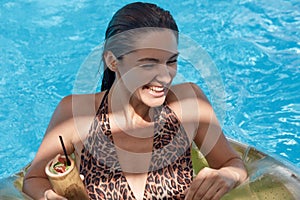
(172, 62)
(148, 65)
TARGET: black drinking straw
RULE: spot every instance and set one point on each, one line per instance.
(64, 148)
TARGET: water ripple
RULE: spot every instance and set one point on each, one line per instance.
(255, 45)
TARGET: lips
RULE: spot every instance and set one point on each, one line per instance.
(155, 90)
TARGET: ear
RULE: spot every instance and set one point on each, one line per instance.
(110, 60)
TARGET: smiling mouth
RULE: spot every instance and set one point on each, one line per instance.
(155, 89)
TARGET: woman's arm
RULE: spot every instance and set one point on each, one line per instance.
(226, 169)
(36, 183)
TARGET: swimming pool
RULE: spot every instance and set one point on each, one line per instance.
(255, 46)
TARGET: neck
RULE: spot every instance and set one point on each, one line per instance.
(128, 112)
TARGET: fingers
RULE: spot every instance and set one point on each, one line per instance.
(50, 194)
(81, 177)
(205, 191)
(196, 185)
(208, 184)
(220, 193)
(215, 192)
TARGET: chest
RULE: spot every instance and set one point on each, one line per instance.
(146, 162)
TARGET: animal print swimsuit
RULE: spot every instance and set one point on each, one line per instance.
(170, 171)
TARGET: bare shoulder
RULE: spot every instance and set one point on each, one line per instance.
(78, 104)
(83, 104)
(74, 114)
(71, 119)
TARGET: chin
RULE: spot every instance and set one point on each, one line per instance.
(154, 102)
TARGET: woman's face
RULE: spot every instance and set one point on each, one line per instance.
(147, 71)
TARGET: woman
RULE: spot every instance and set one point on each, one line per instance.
(133, 139)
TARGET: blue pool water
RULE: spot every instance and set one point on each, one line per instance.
(254, 44)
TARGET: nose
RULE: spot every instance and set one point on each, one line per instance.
(165, 74)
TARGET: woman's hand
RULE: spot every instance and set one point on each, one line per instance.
(212, 184)
(50, 194)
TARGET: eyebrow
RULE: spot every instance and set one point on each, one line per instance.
(155, 59)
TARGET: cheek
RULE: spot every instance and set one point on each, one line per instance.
(136, 78)
(173, 71)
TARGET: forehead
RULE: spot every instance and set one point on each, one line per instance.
(144, 55)
(164, 40)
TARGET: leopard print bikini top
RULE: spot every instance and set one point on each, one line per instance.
(170, 171)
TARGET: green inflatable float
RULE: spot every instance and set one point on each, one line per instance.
(269, 179)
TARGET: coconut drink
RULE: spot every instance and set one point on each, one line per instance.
(65, 179)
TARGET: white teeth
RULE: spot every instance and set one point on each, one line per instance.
(156, 89)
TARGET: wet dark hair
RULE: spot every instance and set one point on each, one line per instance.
(133, 16)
